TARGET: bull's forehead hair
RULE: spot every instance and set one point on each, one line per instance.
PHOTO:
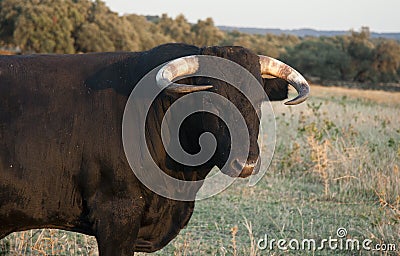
(242, 56)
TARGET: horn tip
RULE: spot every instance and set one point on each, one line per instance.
(304, 93)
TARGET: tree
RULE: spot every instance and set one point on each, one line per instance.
(104, 30)
(205, 33)
(37, 26)
(90, 38)
(387, 60)
(319, 59)
(360, 49)
(147, 33)
(178, 30)
(10, 10)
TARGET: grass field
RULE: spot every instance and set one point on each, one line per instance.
(336, 165)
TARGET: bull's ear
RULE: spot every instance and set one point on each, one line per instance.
(276, 88)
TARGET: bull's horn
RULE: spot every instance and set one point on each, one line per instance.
(178, 68)
(276, 68)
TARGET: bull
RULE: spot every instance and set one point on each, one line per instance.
(62, 162)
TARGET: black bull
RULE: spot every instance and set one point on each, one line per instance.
(62, 163)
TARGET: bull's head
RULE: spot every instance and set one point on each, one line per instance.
(276, 89)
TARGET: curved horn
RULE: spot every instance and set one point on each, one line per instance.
(178, 68)
(276, 68)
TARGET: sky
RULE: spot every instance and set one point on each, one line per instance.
(379, 16)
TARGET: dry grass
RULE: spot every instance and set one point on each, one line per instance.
(319, 156)
(48, 242)
(234, 231)
(392, 98)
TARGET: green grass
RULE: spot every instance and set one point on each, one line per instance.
(336, 164)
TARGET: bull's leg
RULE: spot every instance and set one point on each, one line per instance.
(114, 205)
(116, 226)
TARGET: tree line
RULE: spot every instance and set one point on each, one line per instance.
(80, 26)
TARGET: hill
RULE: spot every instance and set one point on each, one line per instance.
(304, 32)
